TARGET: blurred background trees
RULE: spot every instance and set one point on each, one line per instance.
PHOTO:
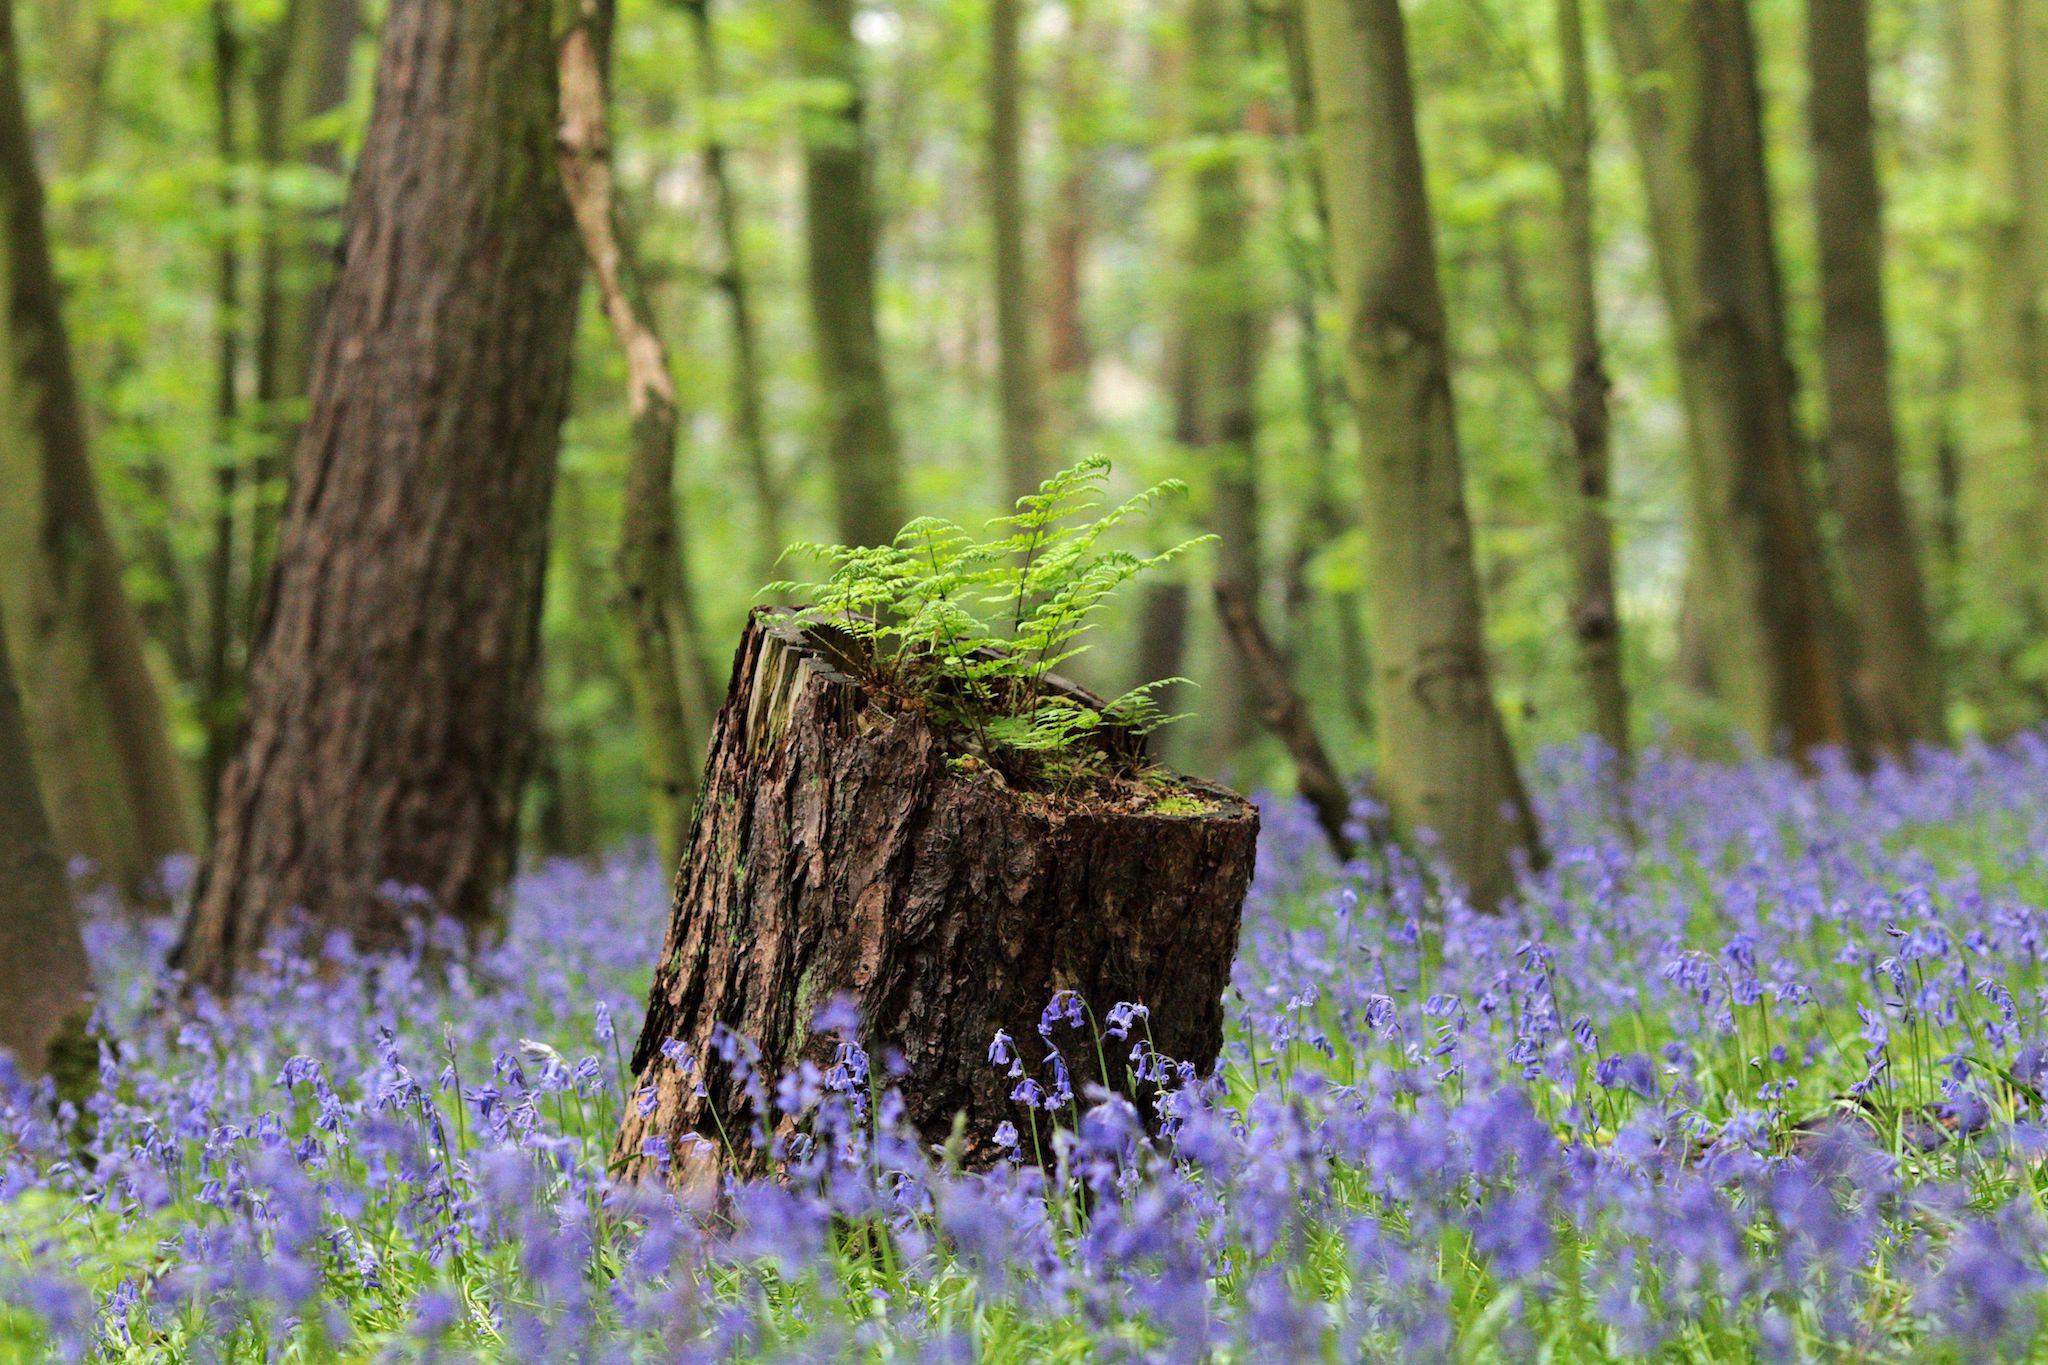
(1734, 310)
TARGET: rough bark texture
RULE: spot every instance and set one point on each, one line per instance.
(673, 691)
(1016, 357)
(391, 699)
(114, 789)
(1691, 66)
(1897, 677)
(43, 975)
(839, 226)
(1445, 763)
(1595, 612)
(837, 854)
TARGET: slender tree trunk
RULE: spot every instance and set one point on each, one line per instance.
(44, 980)
(1445, 761)
(735, 281)
(301, 78)
(113, 787)
(860, 436)
(219, 706)
(581, 574)
(1068, 355)
(1595, 612)
(1016, 358)
(1900, 685)
(2005, 472)
(1691, 68)
(1162, 650)
(673, 689)
(391, 701)
(1222, 324)
(1322, 520)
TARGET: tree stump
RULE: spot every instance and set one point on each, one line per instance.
(838, 851)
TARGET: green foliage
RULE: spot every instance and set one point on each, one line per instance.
(972, 628)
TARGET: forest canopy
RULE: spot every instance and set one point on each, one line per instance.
(187, 231)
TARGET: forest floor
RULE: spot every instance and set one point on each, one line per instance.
(1768, 1082)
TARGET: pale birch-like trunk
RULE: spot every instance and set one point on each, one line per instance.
(1445, 763)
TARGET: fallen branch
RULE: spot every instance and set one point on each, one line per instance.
(1286, 715)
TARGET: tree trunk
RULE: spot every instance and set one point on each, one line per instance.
(1068, 355)
(2004, 485)
(838, 854)
(1016, 359)
(1322, 521)
(1445, 763)
(1692, 75)
(301, 78)
(1899, 683)
(839, 222)
(750, 421)
(673, 691)
(44, 980)
(390, 708)
(1595, 612)
(1222, 322)
(219, 685)
(113, 787)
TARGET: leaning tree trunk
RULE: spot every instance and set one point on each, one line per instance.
(390, 704)
(665, 641)
(839, 854)
(43, 976)
(115, 789)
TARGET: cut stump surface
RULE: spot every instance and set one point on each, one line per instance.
(838, 853)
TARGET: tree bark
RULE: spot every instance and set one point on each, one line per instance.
(1691, 68)
(1017, 387)
(838, 854)
(1899, 683)
(1445, 763)
(735, 281)
(44, 979)
(114, 789)
(390, 710)
(1595, 611)
(1287, 716)
(839, 222)
(673, 691)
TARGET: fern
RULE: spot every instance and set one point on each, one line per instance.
(973, 626)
